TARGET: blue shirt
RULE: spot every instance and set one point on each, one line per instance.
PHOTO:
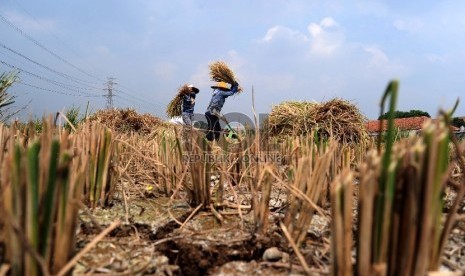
(188, 103)
(218, 98)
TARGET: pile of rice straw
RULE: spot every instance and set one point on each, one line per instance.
(219, 71)
(174, 108)
(127, 120)
(337, 118)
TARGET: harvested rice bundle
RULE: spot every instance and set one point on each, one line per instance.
(174, 108)
(127, 120)
(291, 118)
(337, 118)
(342, 120)
(219, 71)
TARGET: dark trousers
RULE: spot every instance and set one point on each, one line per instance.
(214, 127)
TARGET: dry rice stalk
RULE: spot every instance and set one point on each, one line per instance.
(219, 71)
(88, 247)
(295, 247)
(127, 121)
(174, 108)
(400, 225)
(310, 179)
(343, 120)
(152, 159)
(292, 118)
(262, 209)
(337, 118)
(341, 226)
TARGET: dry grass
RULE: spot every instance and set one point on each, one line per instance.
(97, 142)
(219, 71)
(150, 161)
(337, 118)
(127, 121)
(401, 225)
(42, 182)
(174, 108)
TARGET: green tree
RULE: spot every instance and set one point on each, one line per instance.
(406, 114)
(200, 125)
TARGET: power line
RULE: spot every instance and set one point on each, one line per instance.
(71, 78)
(55, 91)
(56, 37)
(110, 95)
(137, 107)
(140, 100)
(2, 18)
(77, 80)
(144, 106)
(109, 90)
(132, 95)
(148, 106)
(62, 85)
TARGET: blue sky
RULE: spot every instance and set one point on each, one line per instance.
(285, 49)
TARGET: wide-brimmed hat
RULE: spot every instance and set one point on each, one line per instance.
(195, 89)
(221, 85)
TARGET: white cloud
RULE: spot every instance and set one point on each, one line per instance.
(378, 57)
(326, 36)
(323, 38)
(409, 25)
(281, 32)
(328, 22)
(380, 64)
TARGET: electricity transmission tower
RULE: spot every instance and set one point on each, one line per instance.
(109, 89)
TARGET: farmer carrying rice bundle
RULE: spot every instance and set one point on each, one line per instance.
(183, 104)
(188, 104)
(226, 85)
(221, 91)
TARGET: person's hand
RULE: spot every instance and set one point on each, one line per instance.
(216, 113)
(235, 86)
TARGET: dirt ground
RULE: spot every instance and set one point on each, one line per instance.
(157, 240)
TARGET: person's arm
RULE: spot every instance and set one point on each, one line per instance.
(233, 91)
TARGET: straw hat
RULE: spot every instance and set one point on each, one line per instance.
(222, 85)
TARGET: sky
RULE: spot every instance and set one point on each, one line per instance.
(282, 50)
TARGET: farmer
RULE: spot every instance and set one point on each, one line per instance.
(188, 103)
(221, 90)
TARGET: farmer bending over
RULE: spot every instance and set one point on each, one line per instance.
(220, 92)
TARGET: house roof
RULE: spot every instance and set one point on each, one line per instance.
(413, 123)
